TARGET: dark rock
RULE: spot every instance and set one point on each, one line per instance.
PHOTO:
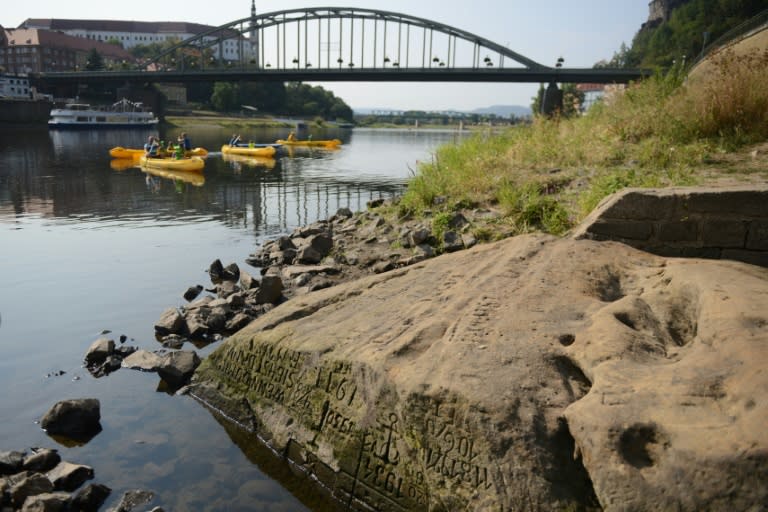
(216, 271)
(343, 213)
(270, 291)
(11, 462)
(320, 283)
(90, 498)
(143, 360)
(42, 460)
(452, 242)
(238, 321)
(171, 322)
(247, 281)
(374, 203)
(177, 367)
(457, 221)
(75, 418)
(192, 292)
(419, 236)
(99, 350)
(308, 254)
(68, 477)
(173, 341)
(231, 272)
(226, 288)
(28, 484)
(196, 325)
(125, 351)
(383, 266)
(48, 502)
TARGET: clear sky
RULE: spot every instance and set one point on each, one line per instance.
(542, 30)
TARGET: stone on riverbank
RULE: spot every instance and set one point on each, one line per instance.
(77, 418)
(532, 373)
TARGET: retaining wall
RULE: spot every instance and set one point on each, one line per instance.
(719, 223)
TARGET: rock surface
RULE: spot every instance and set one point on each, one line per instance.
(78, 418)
(528, 374)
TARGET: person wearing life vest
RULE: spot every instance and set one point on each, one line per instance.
(151, 148)
(291, 136)
(185, 142)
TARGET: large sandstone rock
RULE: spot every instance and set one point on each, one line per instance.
(529, 374)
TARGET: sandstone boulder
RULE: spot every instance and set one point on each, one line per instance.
(528, 374)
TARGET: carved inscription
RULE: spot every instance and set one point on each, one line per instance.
(270, 372)
(376, 462)
(383, 473)
(449, 452)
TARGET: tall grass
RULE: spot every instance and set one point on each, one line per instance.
(654, 133)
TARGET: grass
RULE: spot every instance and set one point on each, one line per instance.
(550, 174)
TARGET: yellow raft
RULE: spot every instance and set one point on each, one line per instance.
(330, 143)
(191, 164)
(264, 151)
(121, 152)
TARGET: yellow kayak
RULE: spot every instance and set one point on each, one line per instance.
(121, 152)
(264, 151)
(194, 178)
(250, 161)
(191, 164)
(330, 143)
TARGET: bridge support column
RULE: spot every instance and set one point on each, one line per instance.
(552, 101)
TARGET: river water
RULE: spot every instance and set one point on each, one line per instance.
(87, 247)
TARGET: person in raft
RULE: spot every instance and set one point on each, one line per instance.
(185, 142)
(291, 136)
(234, 140)
(151, 147)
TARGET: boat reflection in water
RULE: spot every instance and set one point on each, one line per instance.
(193, 178)
(237, 161)
(121, 164)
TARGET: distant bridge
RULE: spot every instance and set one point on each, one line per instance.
(326, 44)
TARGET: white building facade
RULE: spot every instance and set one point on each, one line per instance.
(229, 44)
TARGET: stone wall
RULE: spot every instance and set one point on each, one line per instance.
(719, 223)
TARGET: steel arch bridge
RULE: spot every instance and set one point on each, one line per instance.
(324, 44)
(393, 40)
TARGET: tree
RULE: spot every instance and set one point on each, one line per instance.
(94, 62)
(536, 100)
(224, 97)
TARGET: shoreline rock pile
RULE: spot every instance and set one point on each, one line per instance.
(41, 480)
(326, 253)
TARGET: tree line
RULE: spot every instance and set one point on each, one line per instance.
(293, 98)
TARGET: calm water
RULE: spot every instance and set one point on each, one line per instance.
(86, 247)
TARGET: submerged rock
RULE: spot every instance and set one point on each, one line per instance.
(528, 374)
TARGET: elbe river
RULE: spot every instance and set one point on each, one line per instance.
(89, 249)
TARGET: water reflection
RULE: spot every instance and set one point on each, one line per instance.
(88, 243)
(69, 174)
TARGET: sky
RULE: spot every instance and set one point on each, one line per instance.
(582, 33)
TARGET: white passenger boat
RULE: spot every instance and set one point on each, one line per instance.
(123, 114)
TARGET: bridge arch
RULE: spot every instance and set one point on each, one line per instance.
(339, 38)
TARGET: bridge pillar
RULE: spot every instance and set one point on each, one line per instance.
(552, 101)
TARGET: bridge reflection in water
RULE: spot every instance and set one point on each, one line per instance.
(68, 174)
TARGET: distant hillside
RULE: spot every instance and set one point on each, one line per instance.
(504, 111)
